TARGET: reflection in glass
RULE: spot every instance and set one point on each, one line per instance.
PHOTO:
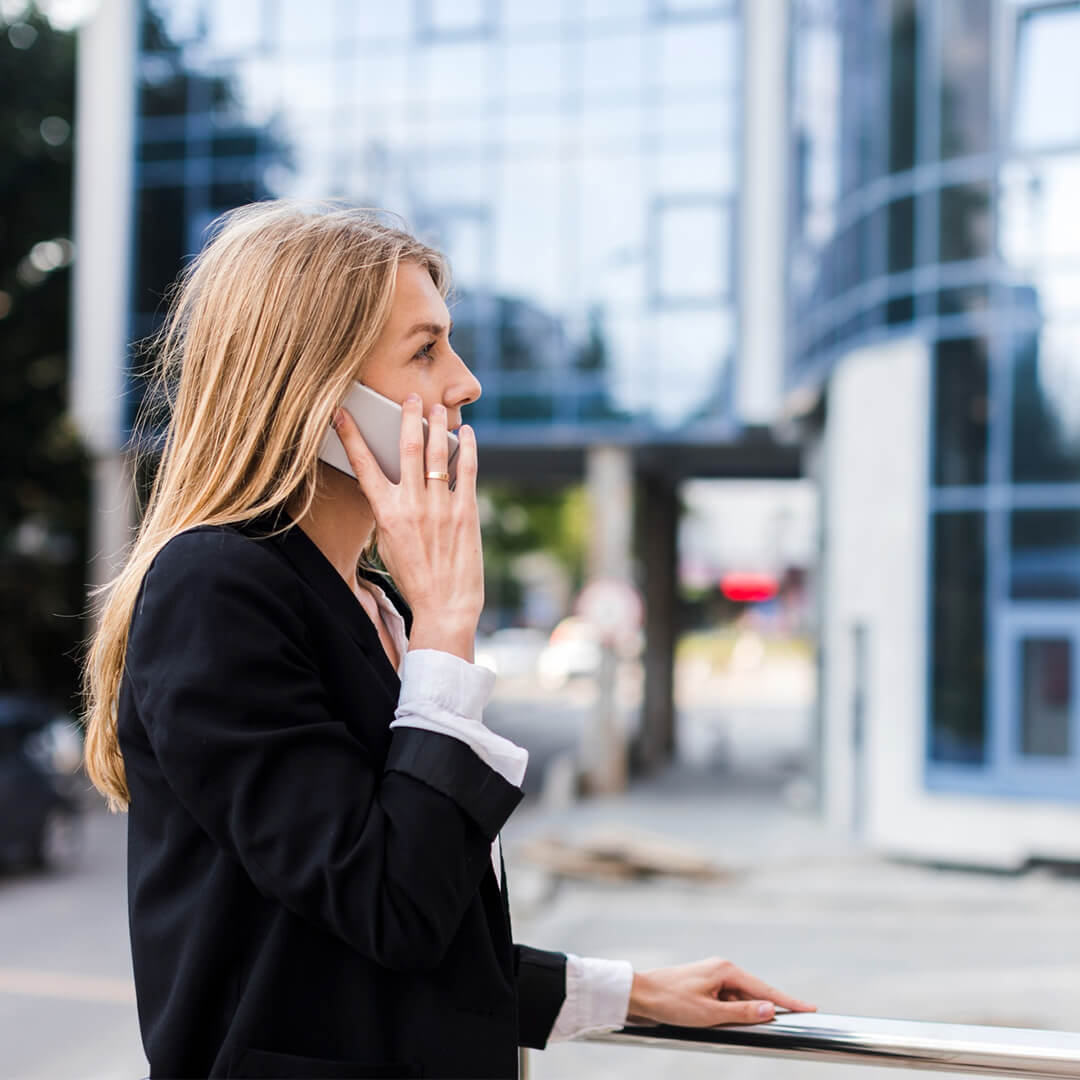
(697, 54)
(612, 64)
(965, 77)
(958, 639)
(456, 71)
(533, 69)
(1039, 211)
(961, 407)
(902, 234)
(693, 246)
(234, 28)
(691, 351)
(1045, 696)
(966, 221)
(1047, 77)
(1044, 555)
(306, 26)
(1046, 406)
(457, 16)
(903, 80)
(963, 301)
(161, 244)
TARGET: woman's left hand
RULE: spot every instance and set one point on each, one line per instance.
(705, 993)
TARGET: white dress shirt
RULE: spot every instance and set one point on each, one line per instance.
(441, 692)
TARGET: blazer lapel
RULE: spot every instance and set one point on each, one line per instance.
(319, 572)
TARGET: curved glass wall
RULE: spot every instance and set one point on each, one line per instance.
(576, 160)
(936, 155)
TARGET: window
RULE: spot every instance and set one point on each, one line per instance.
(1046, 405)
(965, 77)
(1044, 555)
(692, 252)
(961, 411)
(453, 18)
(903, 81)
(966, 222)
(958, 639)
(1046, 77)
(902, 235)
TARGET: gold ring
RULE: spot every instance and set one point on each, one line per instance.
(437, 476)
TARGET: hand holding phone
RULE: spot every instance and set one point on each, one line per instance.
(379, 421)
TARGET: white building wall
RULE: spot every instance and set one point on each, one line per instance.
(876, 573)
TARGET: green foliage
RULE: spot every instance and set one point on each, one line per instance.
(516, 523)
(43, 474)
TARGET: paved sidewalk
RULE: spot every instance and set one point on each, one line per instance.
(806, 909)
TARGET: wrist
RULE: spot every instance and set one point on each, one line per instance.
(642, 996)
(455, 637)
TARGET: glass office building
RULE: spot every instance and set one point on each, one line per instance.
(576, 160)
(935, 159)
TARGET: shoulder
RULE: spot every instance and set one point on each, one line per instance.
(215, 564)
(211, 551)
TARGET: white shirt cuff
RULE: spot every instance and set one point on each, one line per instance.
(441, 692)
(597, 997)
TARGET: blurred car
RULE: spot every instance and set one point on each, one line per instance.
(40, 754)
(572, 650)
(511, 652)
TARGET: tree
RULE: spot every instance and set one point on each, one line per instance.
(43, 469)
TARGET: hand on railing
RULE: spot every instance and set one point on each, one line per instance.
(705, 993)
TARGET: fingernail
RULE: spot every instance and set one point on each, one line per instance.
(413, 399)
(438, 410)
(338, 417)
(764, 1009)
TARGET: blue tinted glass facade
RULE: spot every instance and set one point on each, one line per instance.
(934, 146)
(576, 161)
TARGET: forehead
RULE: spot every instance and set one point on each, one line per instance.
(415, 297)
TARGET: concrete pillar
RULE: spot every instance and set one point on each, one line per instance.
(609, 483)
(657, 530)
(103, 211)
(764, 212)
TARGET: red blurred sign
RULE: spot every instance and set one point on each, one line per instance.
(748, 588)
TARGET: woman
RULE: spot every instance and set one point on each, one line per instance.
(315, 881)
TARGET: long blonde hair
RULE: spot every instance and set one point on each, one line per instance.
(267, 328)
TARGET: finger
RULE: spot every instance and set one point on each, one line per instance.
(743, 1012)
(756, 988)
(369, 475)
(466, 462)
(438, 449)
(411, 445)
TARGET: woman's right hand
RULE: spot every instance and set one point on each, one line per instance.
(428, 535)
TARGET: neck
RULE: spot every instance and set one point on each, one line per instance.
(339, 522)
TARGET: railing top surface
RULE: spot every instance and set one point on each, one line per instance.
(913, 1044)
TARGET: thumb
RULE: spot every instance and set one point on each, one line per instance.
(745, 1012)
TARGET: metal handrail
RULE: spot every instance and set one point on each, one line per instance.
(910, 1044)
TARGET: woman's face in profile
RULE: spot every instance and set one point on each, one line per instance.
(413, 354)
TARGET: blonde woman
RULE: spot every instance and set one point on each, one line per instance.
(315, 881)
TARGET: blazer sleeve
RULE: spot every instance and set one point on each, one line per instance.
(387, 857)
(541, 989)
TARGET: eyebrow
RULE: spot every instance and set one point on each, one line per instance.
(429, 328)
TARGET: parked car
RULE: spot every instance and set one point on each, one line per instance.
(40, 754)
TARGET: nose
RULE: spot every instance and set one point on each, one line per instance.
(464, 388)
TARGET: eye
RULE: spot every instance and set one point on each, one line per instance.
(425, 353)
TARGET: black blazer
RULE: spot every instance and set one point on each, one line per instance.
(310, 893)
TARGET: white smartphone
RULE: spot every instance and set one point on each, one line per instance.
(379, 420)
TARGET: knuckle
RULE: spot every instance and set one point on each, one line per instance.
(411, 448)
